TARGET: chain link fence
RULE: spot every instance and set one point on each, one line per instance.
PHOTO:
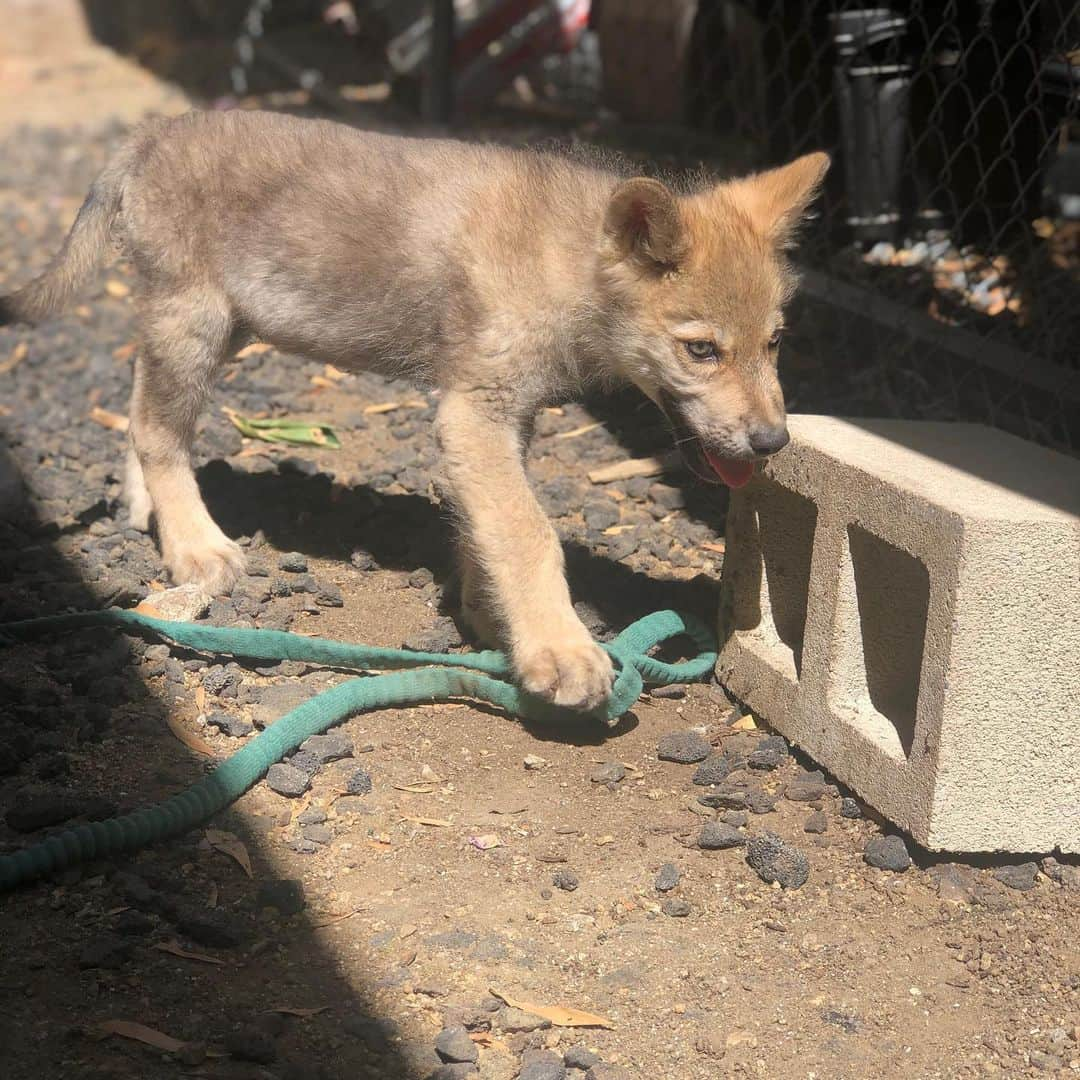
(941, 273)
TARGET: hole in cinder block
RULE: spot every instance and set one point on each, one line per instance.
(892, 594)
(786, 522)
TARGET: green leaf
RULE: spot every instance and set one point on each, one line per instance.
(284, 430)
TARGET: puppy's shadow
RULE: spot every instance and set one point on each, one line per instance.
(404, 532)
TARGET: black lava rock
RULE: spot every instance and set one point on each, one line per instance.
(293, 563)
(850, 808)
(760, 802)
(666, 880)
(1018, 875)
(358, 783)
(287, 780)
(683, 747)
(887, 853)
(454, 1045)
(566, 880)
(329, 747)
(581, 1057)
(235, 726)
(713, 770)
(285, 894)
(541, 1065)
(716, 836)
(774, 861)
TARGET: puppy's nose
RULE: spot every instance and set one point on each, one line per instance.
(767, 440)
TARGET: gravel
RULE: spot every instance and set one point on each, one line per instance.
(287, 780)
(358, 782)
(713, 770)
(517, 1020)
(453, 1044)
(666, 879)
(775, 861)
(717, 836)
(887, 853)
(611, 772)
(1018, 875)
(683, 747)
(675, 908)
(235, 727)
(566, 880)
(581, 1057)
(284, 894)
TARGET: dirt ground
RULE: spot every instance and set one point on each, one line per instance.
(454, 853)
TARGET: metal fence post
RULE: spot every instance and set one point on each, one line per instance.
(439, 81)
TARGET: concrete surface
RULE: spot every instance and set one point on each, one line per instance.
(902, 600)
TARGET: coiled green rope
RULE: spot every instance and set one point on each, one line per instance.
(484, 676)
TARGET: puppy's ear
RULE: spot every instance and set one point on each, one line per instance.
(642, 223)
(776, 200)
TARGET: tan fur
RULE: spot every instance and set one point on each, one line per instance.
(505, 278)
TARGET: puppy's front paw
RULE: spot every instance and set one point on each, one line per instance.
(576, 672)
(214, 567)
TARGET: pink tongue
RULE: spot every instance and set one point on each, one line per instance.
(734, 473)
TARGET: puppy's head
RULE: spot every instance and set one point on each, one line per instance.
(694, 289)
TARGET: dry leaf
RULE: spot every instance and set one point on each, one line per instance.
(189, 738)
(124, 352)
(559, 1015)
(575, 432)
(174, 948)
(438, 822)
(232, 846)
(336, 374)
(130, 1029)
(200, 698)
(111, 420)
(18, 355)
(384, 407)
(117, 289)
(331, 918)
(256, 348)
(603, 841)
(288, 1010)
(744, 723)
(322, 382)
(717, 546)
(625, 470)
(485, 842)
(415, 789)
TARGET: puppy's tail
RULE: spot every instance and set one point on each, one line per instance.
(83, 250)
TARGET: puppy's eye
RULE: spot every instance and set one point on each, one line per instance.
(701, 350)
(774, 341)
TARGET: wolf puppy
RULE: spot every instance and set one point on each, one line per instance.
(508, 279)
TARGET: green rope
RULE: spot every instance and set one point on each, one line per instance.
(483, 676)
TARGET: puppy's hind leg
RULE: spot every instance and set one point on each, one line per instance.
(136, 495)
(185, 338)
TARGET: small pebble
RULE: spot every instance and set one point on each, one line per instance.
(287, 780)
(453, 1044)
(318, 834)
(683, 747)
(676, 908)
(611, 772)
(713, 770)
(358, 783)
(517, 1020)
(760, 802)
(580, 1056)
(774, 861)
(329, 747)
(541, 1065)
(804, 791)
(566, 880)
(234, 726)
(887, 853)
(293, 563)
(817, 822)
(716, 836)
(850, 808)
(1018, 875)
(453, 1070)
(666, 880)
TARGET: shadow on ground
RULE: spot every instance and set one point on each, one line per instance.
(82, 737)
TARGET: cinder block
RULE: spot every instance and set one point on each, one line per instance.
(902, 600)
